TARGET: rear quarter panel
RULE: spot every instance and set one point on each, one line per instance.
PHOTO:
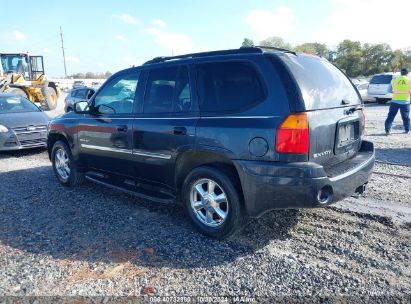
(233, 132)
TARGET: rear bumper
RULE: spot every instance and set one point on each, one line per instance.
(268, 186)
(384, 96)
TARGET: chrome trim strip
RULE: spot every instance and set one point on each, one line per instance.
(106, 149)
(31, 132)
(149, 154)
(134, 152)
(164, 118)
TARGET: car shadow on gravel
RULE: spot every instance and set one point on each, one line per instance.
(21, 153)
(95, 224)
(401, 156)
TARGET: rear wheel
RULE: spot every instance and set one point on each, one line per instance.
(212, 202)
(64, 166)
(50, 96)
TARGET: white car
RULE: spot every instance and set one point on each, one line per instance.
(362, 87)
(380, 87)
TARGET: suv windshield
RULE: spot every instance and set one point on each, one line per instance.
(16, 104)
(322, 84)
(381, 79)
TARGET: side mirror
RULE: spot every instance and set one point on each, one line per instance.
(81, 107)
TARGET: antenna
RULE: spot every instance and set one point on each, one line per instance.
(64, 56)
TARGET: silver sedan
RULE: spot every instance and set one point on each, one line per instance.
(23, 125)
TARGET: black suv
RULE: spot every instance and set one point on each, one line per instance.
(228, 134)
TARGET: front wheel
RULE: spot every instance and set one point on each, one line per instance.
(212, 202)
(64, 165)
(50, 96)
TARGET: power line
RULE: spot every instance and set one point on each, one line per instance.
(62, 48)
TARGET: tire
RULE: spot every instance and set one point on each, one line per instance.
(215, 226)
(16, 91)
(73, 176)
(50, 98)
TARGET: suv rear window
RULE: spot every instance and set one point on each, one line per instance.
(228, 86)
(381, 79)
(321, 83)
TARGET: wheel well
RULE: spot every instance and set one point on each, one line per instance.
(52, 139)
(53, 85)
(191, 160)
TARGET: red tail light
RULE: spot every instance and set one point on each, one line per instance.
(293, 135)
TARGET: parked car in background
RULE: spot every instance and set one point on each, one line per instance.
(355, 81)
(23, 125)
(228, 134)
(75, 95)
(78, 84)
(95, 85)
(362, 87)
(380, 87)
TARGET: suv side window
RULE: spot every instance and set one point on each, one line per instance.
(168, 91)
(117, 96)
(228, 86)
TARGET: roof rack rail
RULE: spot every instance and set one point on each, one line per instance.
(242, 50)
(275, 48)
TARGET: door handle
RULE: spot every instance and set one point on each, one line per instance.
(122, 128)
(179, 131)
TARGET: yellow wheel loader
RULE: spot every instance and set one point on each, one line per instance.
(23, 74)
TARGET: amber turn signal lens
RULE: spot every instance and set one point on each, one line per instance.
(293, 135)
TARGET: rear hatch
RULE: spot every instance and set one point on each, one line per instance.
(380, 84)
(333, 107)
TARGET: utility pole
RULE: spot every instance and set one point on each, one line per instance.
(64, 56)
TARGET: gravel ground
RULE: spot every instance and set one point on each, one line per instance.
(92, 241)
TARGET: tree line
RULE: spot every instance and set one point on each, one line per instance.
(353, 57)
(90, 75)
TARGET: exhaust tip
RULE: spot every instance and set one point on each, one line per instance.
(325, 195)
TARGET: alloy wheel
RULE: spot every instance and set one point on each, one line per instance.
(62, 164)
(209, 202)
